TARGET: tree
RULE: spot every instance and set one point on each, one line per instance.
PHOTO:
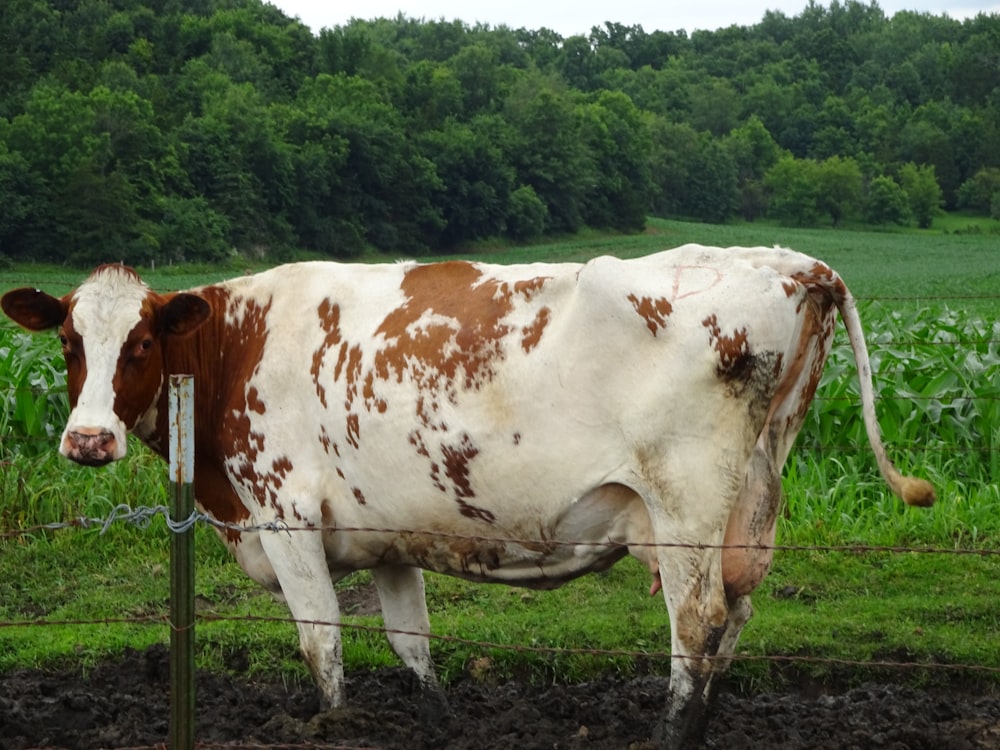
(794, 189)
(753, 152)
(716, 107)
(711, 193)
(839, 187)
(886, 202)
(476, 179)
(922, 192)
(383, 189)
(546, 152)
(191, 230)
(980, 192)
(618, 139)
(23, 197)
(526, 214)
(670, 164)
(927, 139)
(693, 173)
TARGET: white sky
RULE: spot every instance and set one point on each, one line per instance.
(569, 17)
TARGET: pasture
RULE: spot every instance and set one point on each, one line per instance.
(861, 581)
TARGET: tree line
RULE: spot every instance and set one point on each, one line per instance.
(189, 130)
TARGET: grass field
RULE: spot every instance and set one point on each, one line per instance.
(931, 304)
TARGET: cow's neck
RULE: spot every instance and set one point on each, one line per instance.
(198, 355)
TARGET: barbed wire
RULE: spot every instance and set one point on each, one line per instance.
(610, 653)
(246, 745)
(143, 515)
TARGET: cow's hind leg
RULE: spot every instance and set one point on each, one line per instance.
(299, 562)
(688, 515)
(701, 629)
(404, 612)
(709, 596)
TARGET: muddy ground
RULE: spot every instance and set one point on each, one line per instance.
(125, 703)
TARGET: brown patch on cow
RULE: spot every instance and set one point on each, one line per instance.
(373, 401)
(353, 430)
(254, 402)
(736, 361)
(456, 465)
(138, 374)
(449, 332)
(75, 357)
(823, 281)
(281, 467)
(448, 337)
(475, 512)
(456, 469)
(216, 496)
(416, 439)
(527, 288)
(517, 438)
(532, 334)
(329, 319)
(233, 436)
(352, 373)
(653, 311)
(325, 440)
(222, 425)
(824, 291)
(341, 361)
(359, 496)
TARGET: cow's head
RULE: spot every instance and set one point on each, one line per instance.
(113, 329)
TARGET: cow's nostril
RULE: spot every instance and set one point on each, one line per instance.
(91, 447)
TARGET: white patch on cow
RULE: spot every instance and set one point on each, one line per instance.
(107, 307)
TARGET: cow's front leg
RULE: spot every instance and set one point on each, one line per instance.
(299, 562)
(404, 612)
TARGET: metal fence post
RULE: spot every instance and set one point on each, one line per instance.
(181, 416)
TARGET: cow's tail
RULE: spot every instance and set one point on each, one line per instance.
(913, 491)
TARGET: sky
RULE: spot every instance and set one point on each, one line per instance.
(569, 17)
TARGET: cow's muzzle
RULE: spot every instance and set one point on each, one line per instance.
(90, 447)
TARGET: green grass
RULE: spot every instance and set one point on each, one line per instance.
(932, 327)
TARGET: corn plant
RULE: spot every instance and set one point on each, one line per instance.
(937, 379)
(33, 388)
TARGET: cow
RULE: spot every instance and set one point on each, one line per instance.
(524, 424)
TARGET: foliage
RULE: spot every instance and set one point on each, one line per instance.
(922, 192)
(886, 203)
(197, 131)
(33, 377)
(981, 192)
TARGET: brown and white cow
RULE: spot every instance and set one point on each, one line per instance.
(648, 404)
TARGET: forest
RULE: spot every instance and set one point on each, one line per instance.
(163, 131)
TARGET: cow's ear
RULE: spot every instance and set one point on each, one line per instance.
(184, 313)
(33, 309)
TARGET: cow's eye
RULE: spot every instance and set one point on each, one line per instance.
(146, 345)
(64, 341)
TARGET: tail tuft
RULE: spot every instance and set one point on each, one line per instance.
(917, 492)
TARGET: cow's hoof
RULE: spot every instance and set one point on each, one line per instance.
(432, 705)
(342, 721)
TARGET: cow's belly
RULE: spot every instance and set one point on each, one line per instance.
(539, 551)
